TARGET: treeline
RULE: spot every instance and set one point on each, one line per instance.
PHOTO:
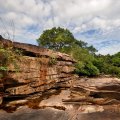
(88, 63)
(108, 64)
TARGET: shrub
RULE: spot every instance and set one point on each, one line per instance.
(87, 69)
(7, 56)
(52, 60)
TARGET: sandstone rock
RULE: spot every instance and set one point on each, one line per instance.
(32, 50)
(16, 102)
(37, 72)
(56, 101)
(101, 91)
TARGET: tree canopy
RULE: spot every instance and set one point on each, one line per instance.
(56, 38)
(60, 39)
(88, 63)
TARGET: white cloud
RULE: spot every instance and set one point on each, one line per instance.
(112, 49)
(31, 17)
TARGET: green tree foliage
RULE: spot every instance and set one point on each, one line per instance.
(56, 38)
(116, 59)
(91, 49)
(63, 40)
(108, 64)
(88, 63)
(86, 69)
(100, 63)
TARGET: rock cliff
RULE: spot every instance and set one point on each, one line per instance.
(39, 70)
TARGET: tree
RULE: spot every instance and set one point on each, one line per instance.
(62, 40)
(91, 49)
(56, 38)
(116, 59)
(81, 43)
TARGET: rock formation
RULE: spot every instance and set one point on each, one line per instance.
(39, 70)
(100, 91)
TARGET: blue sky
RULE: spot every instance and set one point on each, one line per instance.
(96, 22)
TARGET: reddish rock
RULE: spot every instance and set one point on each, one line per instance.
(39, 70)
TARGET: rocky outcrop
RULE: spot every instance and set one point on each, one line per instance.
(36, 75)
(35, 51)
(38, 71)
(100, 91)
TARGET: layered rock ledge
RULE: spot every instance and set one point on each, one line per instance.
(97, 91)
(39, 71)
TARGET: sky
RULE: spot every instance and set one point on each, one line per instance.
(96, 22)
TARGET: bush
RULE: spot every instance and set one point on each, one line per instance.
(116, 61)
(101, 65)
(87, 69)
(7, 56)
(53, 60)
(108, 64)
(113, 70)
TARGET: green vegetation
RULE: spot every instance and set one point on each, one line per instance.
(7, 56)
(88, 63)
(52, 60)
(108, 64)
(56, 38)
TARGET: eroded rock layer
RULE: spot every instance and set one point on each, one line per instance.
(97, 91)
(38, 71)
